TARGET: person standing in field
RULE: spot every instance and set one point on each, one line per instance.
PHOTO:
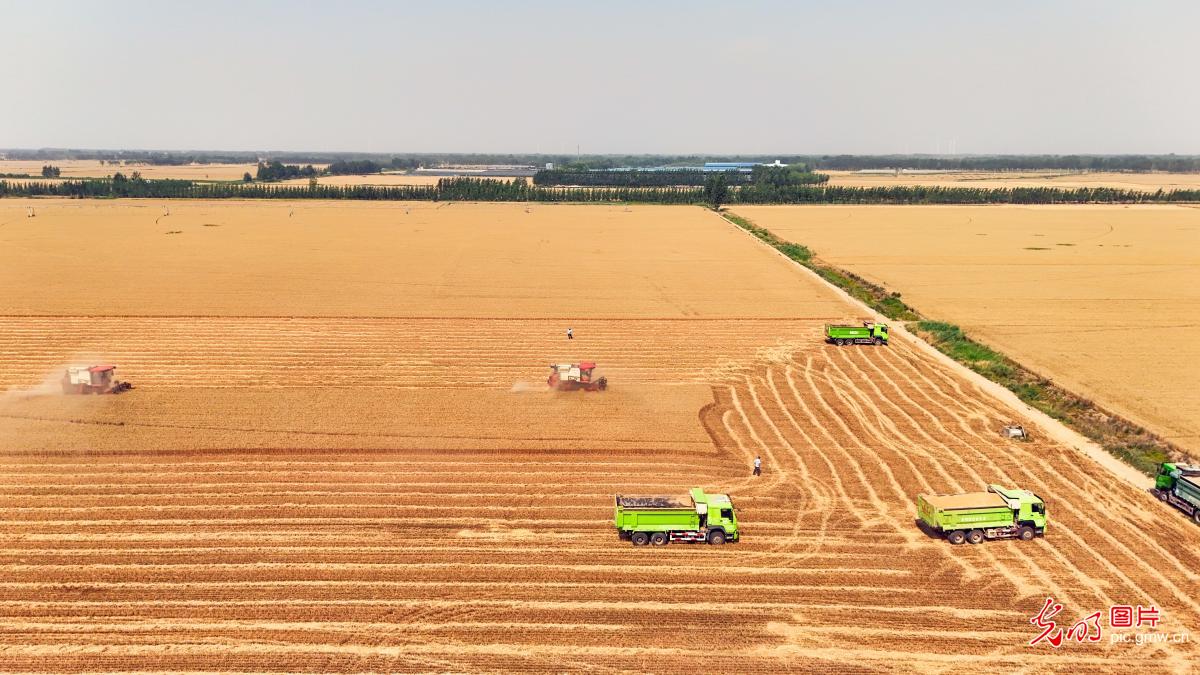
(570, 334)
(757, 466)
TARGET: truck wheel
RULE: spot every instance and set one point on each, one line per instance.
(716, 538)
(659, 539)
(640, 538)
(956, 537)
(1196, 516)
(975, 536)
(1025, 533)
(1161, 494)
(878, 341)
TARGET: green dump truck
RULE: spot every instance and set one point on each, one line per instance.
(999, 513)
(659, 521)
(1179, 486)
(867, 334)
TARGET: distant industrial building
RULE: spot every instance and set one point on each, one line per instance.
(730, 166)
(737, 166)
(742, 167)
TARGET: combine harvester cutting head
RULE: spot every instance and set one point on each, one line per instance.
(575, 377)
(93, 380)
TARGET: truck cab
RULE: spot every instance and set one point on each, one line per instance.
(716, 513)
(878, 330)
(1169, 473)
(1027, 507)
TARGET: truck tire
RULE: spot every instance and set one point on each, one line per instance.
(1025, 533)
(1161, 494)
(878, 342)
(660, 539)
(716, 537)
(1196, 516)
(640, 538)
(975, 536)
(956, 537)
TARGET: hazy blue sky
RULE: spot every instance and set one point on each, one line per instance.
(612, 76)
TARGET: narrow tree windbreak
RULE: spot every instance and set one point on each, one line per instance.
(481, 189)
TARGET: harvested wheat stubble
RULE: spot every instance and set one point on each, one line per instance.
(484, 559)
(330, 494)
(1101, 299)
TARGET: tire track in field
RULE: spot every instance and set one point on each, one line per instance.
(859, 417)
(1094, 492)
(1104, 597)
(1035, 569)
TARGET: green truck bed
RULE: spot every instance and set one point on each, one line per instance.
(654, 514)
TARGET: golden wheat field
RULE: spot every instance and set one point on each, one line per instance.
(86, 168)
(341, 455)
(1145, 182)
(1102, 299)
(274, 258)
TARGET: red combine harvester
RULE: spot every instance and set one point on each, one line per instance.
(93, 380)
(575, 377)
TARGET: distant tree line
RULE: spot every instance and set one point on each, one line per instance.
(1138, 163)
(49, 171)
(666, 178)
(281, 171)
(716, 191)
(274, 171)
(353, 167)
(760, 175)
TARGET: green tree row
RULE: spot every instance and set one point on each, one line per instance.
(767, 177)
(353, 168)
(281, 171)
(715, 192)
(635, 178)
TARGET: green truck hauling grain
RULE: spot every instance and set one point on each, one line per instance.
(867, 334)
(661, 520)
(999, 513)
(1179, 486)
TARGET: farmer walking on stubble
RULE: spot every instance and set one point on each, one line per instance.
(758, 466)
(570, 334)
